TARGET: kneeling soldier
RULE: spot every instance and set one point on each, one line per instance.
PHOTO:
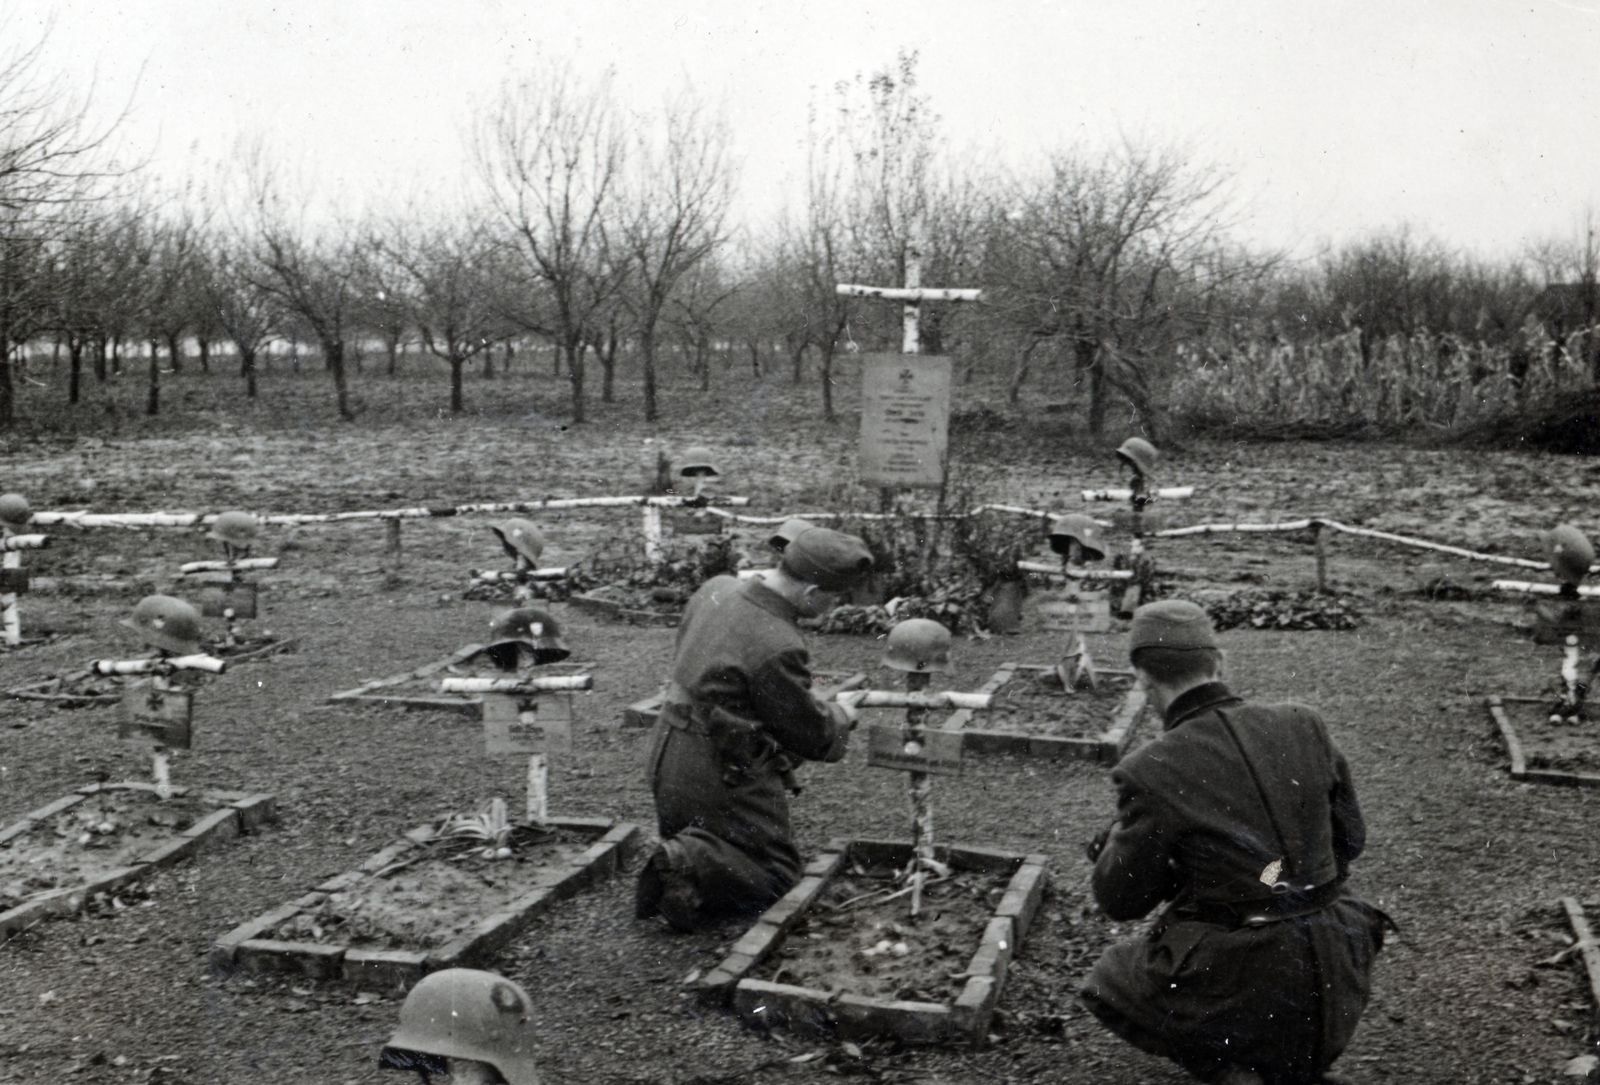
(1243, 816)
(738, 712)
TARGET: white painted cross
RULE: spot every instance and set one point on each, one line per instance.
(913, 294)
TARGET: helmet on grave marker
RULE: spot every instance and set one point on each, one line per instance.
(1076, 527)
(14, 510)
(462, 1013)
(234, 528)
(526, 630)
(1570, 553)
(919, 645)
(786, 532)
(166, 623)
(697, 463)
(519, 538)
(1138, 454)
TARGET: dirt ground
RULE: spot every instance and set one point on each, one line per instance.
(1471, 865)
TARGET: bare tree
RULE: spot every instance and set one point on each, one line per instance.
(311, 274)
(445, 289)
(550, 156)
(680, 185)
(247, 314)
(1115, 258)
(50, 159)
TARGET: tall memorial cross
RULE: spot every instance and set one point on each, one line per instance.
(905, 409)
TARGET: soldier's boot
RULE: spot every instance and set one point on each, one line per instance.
(666, 887)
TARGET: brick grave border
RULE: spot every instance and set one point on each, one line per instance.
(1519, 765)
(1585, 944)
(1106, 747)
(815, 1012)
(237, 812)
(246, 947)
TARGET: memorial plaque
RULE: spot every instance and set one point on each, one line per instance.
(233, 600)
(905, 419)
(527, 723)
(161, 716)
(1072, 611)
(889, 747)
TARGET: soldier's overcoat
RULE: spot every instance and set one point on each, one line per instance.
(1244, 818)
(739, 711)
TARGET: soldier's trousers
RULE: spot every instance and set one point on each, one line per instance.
(734, 832)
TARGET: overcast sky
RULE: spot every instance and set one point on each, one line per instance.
(1473, 120)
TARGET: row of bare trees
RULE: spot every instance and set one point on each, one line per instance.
(605, 233)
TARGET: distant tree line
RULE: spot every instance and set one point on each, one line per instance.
(606, 236)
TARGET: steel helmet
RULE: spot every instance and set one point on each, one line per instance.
(1076, 527)
(1138, 454)
(462, 1013)
(520, 539)
(1570, 553)
(166, 623)
(14, 511)
(697, 463)
(786, 532)
(234, 528)
(526, 629)
(920, 645)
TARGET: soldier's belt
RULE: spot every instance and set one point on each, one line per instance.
(1255, 913)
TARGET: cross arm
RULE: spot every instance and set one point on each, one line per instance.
(897, 293)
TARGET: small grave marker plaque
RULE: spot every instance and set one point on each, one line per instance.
(231, 599)
(905, 419)
(527, 724)
(162, 716)
(939, 752)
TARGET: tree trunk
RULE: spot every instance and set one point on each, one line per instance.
(205, 353)
(333, 351)
(247, 369)
(8, 391)
(488, 363)
(575, 351)
(391, 344)
(100, 358)
(74, 368)
(647, 347)
(827, 380)
(457, 362)
(511, 352)
(175, 348)
(702, 360)
(755, 359)
(1097, 396)
(1021, 374)
(116, 356)
(555, 358)
(608, 367)
(798, 359)
(152, 402)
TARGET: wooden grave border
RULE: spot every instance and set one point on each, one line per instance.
(1585, 944)
(1106, 748)
(238, 812)
(830, 1015)
(247, 947)
(1519, 765)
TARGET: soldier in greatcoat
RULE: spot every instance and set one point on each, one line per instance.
(1244, 819)
(738, 713)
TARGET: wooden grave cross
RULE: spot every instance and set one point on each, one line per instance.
(14, 581)
(228, 595)
(527, 715)
(153, 711)
(919, 751)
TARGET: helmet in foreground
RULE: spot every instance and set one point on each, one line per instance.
(167, 623)
(14, 510)
(462, 1013)
(1569, 552)
(234, 528)
(1075, 527)
(1138, 454)
(918, 645)
(520, 538)
(526, 630)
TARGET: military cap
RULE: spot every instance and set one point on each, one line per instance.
(1570, 553)
(786, 532)
(829, 559)
(1171, 623)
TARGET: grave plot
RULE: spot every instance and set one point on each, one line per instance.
(839, 955)
(1585, 943)
(451, 893)
(104, 837)
(1033, 714)
(1545, 747)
